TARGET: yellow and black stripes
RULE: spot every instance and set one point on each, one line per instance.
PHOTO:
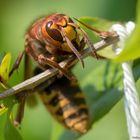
(66, 103)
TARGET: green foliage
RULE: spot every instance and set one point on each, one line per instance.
(136, 69)
(132, 48)
(4, 67)
(4, 70)
(98, 23)
(10, 131)
(4, 75)
(3, 109)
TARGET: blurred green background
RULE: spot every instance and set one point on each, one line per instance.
(16, 16)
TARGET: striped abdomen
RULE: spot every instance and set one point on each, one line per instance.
(66, 103)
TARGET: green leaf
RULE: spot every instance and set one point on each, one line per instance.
(99, 23)
(1, 56)
(3, 109)
(105, 93)
(138, 85)
(132, 46)
(102, 25)
(5, 66)
(136, 69)
(11, 133)
(138, 12)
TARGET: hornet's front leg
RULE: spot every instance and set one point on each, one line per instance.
(44, 59)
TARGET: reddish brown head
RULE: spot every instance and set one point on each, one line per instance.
(58, 33)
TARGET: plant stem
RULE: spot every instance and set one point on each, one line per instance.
(40, 78)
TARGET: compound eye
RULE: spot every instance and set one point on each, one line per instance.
(53, 33)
